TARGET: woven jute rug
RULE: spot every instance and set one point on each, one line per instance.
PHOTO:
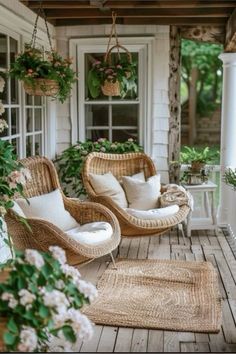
(159, 294)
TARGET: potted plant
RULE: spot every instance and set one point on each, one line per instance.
(229, 177)
(197, 158)
(114, 76)
(44, 73)
(41, 302)
(70, 162)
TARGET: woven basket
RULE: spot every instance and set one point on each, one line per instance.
(42, 87)
(111, 88)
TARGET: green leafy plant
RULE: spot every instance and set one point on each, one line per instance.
(35, 64)
(192, 154)
(70, 162)
(123, 70)
(40, 303)
(229, 177)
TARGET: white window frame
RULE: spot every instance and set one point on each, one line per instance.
(144, 46)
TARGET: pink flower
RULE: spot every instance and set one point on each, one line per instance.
(119, 66)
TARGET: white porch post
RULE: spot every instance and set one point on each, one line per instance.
(228, 129)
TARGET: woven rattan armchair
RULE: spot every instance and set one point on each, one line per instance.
(127, 165)
(43, 234)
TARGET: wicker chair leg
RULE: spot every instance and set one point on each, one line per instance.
(181, 229)
(113, 261)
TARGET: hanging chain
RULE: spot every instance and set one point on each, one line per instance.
(34, 35)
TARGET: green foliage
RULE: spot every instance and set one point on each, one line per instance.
(203, 56)
(192, 154)
(122, 71)
(29, 300)
(229, 177)
(35, 64)
(70, 162)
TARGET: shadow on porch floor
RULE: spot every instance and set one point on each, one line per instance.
(203, 245)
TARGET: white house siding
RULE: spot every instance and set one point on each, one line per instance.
(160, 100)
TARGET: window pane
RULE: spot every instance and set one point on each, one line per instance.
(96, 134)
(3, 51)
(38, 119)
(29, 146)
(15, 121)
(16, 143)
(5, 117)
(38, 100)
(38, 144)
(96, 115)
(29, 120)
(124, 134)
(29, 100)
(125, 115)
(14, 49)
(3, 95)
(14, 91)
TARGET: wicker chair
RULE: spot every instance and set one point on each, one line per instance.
(126, 165)
(44, 234)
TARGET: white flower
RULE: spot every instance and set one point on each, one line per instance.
(70, 271)
(58, 253)
(26, 297)
(2, 109)
(17, 177)
(59, 344)
(103, 149)
(33, 257)
(60, 284)
(81, 324)
(130, 140)
(59, 319)
(88, 289)
(2, 210)
(56, 299)
(2, 84)
(3, 125)
(28, 340)
(101, 140)
(12, 302)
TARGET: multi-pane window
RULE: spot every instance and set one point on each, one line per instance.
(114, 118)
(25, 115)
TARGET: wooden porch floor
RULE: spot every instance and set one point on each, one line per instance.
(203, 245)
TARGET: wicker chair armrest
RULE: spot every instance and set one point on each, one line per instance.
(85, 212)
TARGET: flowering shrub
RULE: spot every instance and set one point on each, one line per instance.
(70, 162)
(122, 71)
(41, 301)
(229, 177)
(35, 64)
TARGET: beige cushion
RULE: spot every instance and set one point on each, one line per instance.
(154, 214)
(93, 233)
(49, 207)
(142, 195)
(107, 185)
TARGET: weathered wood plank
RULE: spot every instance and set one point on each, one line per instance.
(139, 341)
(124, 340)
(155, 341)
(92, 345)
(124, 247)
(171, 342)
(107, 340)
(134, 247)
(143, 248)
(228, 323)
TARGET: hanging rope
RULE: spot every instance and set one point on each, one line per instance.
(113, 32)
(34, 35)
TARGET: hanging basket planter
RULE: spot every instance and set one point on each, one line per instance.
(42, 87)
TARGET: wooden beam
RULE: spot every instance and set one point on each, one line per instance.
(131, 4)
(210, 34)
(138, 13)
(230, 39)
(191, 21)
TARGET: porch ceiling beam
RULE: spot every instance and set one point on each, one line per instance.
(143, 21)
(168, 4)
(137, 13)
(230, 40)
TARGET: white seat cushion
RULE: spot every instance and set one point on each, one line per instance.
(142, 195)
(107, 185)
(153, 214)
(49, 207)
(92, 233)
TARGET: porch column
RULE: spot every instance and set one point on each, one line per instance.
(228, 129)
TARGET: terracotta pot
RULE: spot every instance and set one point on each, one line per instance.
(197, 166)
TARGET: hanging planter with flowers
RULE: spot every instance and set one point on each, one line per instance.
(43, 73)
(116, 75)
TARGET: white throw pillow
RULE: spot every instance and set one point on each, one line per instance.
(107, 185)
(92, 233)
(140, 176)
(153, 214)
(49, 207)
(142, 195)
(17, 209)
